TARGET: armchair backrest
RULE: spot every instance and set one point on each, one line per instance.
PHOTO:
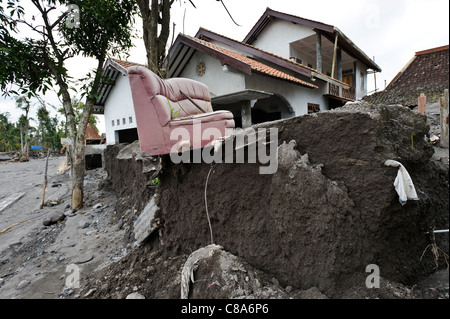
(166, 96)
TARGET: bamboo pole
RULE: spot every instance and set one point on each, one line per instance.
(333, 67)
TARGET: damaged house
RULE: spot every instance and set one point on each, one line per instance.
(426, 72)
(286, 66)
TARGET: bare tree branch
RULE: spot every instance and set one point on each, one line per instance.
(229, 13)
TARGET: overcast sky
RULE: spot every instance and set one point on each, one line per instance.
(389, 30)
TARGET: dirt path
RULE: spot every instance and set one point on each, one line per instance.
(36, 260)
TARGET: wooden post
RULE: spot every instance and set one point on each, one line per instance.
(422, 103)
(444, 119)
(45, 181)
(333, 67)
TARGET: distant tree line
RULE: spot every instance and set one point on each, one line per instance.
(39, 129)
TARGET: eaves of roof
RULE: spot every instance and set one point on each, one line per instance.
(112, 69)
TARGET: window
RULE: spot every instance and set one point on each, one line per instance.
(130, 120)
(118, 122)
(112, 122)
(124, 121)
(313, 108)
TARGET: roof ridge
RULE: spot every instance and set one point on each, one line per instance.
(433, 50)
(298, 17)
(126, 61)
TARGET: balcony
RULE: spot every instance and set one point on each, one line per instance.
(341, 93)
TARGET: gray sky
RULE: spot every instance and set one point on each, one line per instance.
(390, 30)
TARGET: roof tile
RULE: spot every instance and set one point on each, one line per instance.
(427, 73)
(256, 65)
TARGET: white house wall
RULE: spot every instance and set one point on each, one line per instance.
(219, 82)
(361, 79)
(120, 109)
(278, 34)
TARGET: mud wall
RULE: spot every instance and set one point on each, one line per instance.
(323, 216)
(130, 175)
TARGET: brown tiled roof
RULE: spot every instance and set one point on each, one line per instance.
(269, 53)
(91, 133)
(126, 64)
(427, 72)
(256, 65)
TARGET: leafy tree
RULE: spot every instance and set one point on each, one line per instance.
(104, 29)
(49, 131)
(9, 134)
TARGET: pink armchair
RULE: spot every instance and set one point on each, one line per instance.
(162, 106)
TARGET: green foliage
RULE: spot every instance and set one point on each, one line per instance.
(35, 64)
(155, 182)
(105, 27)
(48, 132)
(9, 135)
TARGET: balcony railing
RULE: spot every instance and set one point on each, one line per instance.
(341, 92)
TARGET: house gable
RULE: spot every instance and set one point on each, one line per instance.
(261, 34)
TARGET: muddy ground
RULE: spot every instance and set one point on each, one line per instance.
(33, 257)
(308, 231)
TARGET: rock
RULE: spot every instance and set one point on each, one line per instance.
(120, 224)
(97, 206)
(83, 224)
(66, 292)
(287, 155)
(70, 213)
(91, 291)
(145, 224)
(22, 284)
(53, 219)
(135, 295)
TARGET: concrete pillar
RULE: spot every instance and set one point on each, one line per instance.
(422, 103)
(444, 119)
(319, 52)
(246, 114)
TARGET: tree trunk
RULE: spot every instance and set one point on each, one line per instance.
(78, 157)
(155, 45)
(78, 169)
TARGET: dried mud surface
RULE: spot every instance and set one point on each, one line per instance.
(309, 230)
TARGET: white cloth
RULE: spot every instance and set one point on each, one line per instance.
(403, 183)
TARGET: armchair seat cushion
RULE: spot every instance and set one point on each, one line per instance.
(202, 118)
